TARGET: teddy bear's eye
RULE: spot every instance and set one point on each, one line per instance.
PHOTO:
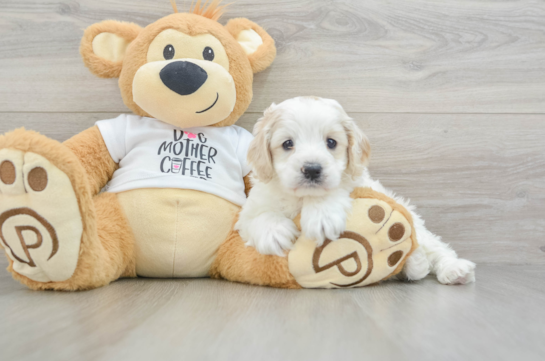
(168, 52)
(208, 54)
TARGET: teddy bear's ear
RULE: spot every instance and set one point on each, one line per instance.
(258, 45)
(104, 44)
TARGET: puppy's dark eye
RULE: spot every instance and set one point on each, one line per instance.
(287, 145)
(331, 143)
(168, 52)
(208, 54)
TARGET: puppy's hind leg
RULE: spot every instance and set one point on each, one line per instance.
(444, 261)
(417, 266)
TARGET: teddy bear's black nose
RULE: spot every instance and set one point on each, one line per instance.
(183, 77)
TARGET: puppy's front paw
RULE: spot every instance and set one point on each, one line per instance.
(320, 225)
(274, 236)
(456, 271)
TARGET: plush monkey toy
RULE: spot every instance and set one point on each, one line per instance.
(175, 171)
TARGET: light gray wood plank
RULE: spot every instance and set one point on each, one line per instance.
(375, 56)
(500, 317)
(477, 179)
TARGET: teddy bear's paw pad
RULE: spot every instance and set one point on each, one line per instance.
(376, 241)
(40, 221)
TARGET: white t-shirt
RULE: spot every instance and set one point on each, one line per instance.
(153, 154)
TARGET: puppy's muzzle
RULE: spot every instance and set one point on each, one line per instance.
(183, 77)
(312, 171)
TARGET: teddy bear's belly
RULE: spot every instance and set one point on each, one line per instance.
(177, 231)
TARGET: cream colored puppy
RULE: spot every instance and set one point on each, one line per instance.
(307, 157)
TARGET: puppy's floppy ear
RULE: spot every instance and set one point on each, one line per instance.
(258, 45)
(104, 44)
(359, 148)
(259, 152)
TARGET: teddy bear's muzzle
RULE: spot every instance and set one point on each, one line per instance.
(185, 92)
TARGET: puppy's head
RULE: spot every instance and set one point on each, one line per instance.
(310, 144)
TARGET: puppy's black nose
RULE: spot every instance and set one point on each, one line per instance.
(312, 171)
(183, 77)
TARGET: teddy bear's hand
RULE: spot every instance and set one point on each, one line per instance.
(270, 234)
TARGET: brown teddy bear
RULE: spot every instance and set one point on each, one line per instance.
(175, 171)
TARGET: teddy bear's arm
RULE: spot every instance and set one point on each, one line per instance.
(93, 154)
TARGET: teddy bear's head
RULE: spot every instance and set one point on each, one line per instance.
(185, 69)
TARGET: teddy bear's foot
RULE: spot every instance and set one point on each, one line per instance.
(56, 235)
(40, 221)
(378, 239)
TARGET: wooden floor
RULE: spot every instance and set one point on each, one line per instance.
(452, 97)
(501, 317)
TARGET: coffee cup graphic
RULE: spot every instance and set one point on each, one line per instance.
(176, 165)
